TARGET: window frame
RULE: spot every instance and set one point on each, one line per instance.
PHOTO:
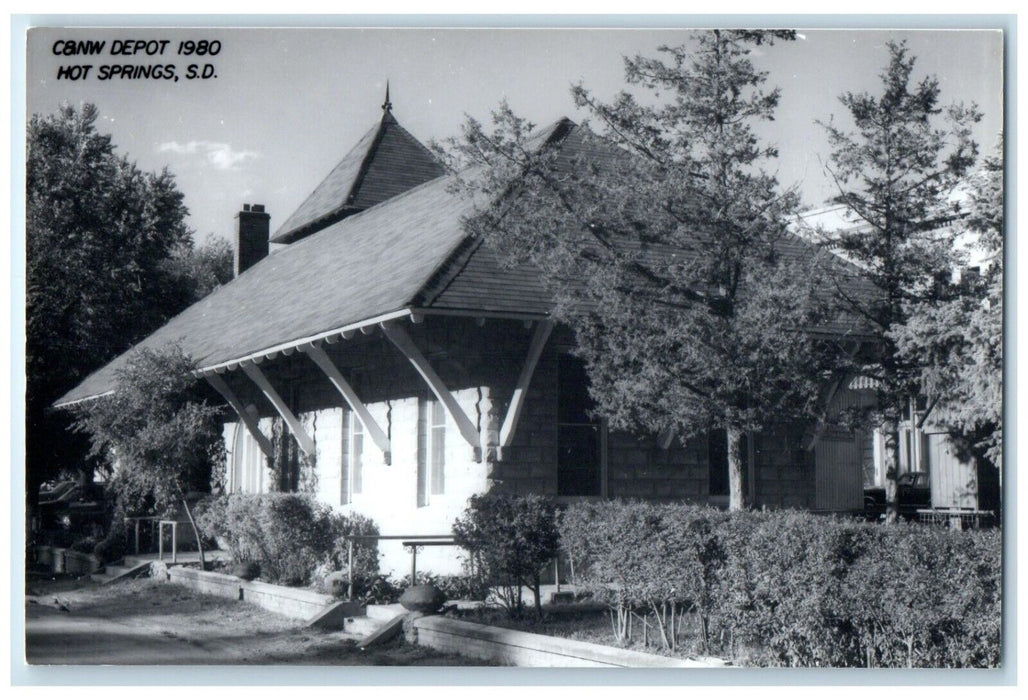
(433, 423)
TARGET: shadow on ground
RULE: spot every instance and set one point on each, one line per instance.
(143, 621)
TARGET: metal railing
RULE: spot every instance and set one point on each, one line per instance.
(414, 544)
(411, 543)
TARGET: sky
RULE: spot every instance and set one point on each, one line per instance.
(287, 104)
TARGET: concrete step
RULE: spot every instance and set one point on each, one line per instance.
(385, 613)
(383, 634)
(117, 572)
(134, 561)
(362, 626)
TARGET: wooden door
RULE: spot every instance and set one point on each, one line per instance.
(838, 471)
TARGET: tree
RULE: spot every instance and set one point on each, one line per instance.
(957, 342)
(157, 434)
(108, 260)
(199, 270)
(895, 173)
(509, 539)
(665, 246)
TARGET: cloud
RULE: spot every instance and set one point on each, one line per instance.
(220, 155)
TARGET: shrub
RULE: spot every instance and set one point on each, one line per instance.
(646, 558)
(975, 561)
(114, 545)
(928, 597)
(509, 539)
(454, 587)
(290, 536)
(365, 552)
(792, 588)
(783, 587)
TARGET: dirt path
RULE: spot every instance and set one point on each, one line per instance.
(147, 622)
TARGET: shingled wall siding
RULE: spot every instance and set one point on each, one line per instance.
(635, 468)
(481, 364)
(638, 467)
(785, 471)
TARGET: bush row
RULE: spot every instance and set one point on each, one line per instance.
(294, 539)
(791, 588)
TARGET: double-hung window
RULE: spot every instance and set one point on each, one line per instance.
(431, 450)
(352, 475)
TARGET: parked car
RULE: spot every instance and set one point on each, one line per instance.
(914, 492)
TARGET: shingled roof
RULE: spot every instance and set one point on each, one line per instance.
(385, 162)
(407, 252)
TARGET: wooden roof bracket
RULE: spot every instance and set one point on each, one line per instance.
(248, 420)
(322, 360)
(403, 342)
(257, 377)
(517, 401)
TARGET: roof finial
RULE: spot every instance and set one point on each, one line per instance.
(387, 105)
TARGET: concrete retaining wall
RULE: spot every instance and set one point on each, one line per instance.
(292, 602)
(208, 582)
(297, 603)
(526, 649)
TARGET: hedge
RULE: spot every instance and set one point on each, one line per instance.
(292, 538)
(788, 588)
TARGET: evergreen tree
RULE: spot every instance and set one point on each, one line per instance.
(957, 342)
(895, 172)
(665, 245)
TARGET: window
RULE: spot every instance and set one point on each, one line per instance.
(356, 454)
(247, 460)
(579, 437)
(431, 450)
(352, 472)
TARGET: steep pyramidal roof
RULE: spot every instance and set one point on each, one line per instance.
(386, 162)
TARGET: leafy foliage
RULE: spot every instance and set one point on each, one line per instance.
(292, 537)
(783, 580)
(661, 559)
(453, 586)
(664, 243)
(108, 259)
(791, 588)
(509, 540)
(156, 431)
(199, 270)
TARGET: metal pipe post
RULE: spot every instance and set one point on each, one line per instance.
(349, 567)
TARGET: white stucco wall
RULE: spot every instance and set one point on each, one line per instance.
(390, 492)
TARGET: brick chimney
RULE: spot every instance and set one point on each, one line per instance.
(251, 237)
